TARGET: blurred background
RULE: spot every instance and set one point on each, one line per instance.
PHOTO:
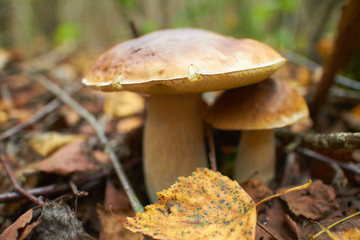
(33, 27)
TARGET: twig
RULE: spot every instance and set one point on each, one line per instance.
(327, 160)
(54, 188)
(64, 97)
(341, 95)
(50, 107)
(36, 117)
(212, 155)
(345, 41)
(313, 66)
(77, 194)
(343, 140)
(16, 186)
(133, 29)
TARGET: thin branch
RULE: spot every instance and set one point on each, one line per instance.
(342, 140)
(36, 117)
(298, 59)
(327, 160)
(64, 97)
(54, 188)
(77, 194)
(50, 107)
(16, 186)
(212, 155)
(134, 31)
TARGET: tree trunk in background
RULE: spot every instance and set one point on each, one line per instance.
(100, 21)
(22, 25)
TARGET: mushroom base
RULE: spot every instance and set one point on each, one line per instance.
(256, 156)
(173, 140)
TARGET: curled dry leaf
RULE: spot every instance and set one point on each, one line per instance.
(205, 205)
(48, 142)
(312, 203)
(12, 232)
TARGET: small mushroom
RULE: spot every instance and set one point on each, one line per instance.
(175, 67)
(257, 110)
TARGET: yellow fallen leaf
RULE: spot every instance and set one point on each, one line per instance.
(48, 142)
(206, 205)
(350, 234)
(122, 104)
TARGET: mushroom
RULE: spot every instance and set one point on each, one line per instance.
(257, 110)
(175, 66)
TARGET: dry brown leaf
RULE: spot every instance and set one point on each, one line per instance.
(115, 199)
(122, 104)
(27, 230)
(126, 125)
(12, 232)
(112, 230)
(69, 159)
(206, 205)
(48, 142)
(312, 203)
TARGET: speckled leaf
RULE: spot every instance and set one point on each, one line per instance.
(205, 205)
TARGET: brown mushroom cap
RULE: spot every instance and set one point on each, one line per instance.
(266, 105)
(183, 60)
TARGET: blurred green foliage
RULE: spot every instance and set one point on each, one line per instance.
(67, 32)
(284, 24)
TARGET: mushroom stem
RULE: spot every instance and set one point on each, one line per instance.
(173, 141)
(256, 154)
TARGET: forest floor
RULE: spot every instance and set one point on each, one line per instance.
(53, 153)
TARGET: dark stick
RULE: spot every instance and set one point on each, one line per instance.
(298, 59)
(134, 30)
(77, 194)
(16, 186)
(343, 140)
(327, 160)
(53, 188)
(212, 155)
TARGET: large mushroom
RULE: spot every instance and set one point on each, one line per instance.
(175, 66)
(257, 110)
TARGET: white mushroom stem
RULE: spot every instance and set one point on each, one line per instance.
(174, 141)
(256, 155)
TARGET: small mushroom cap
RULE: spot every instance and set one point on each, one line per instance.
(183, 60)
(266, 105)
